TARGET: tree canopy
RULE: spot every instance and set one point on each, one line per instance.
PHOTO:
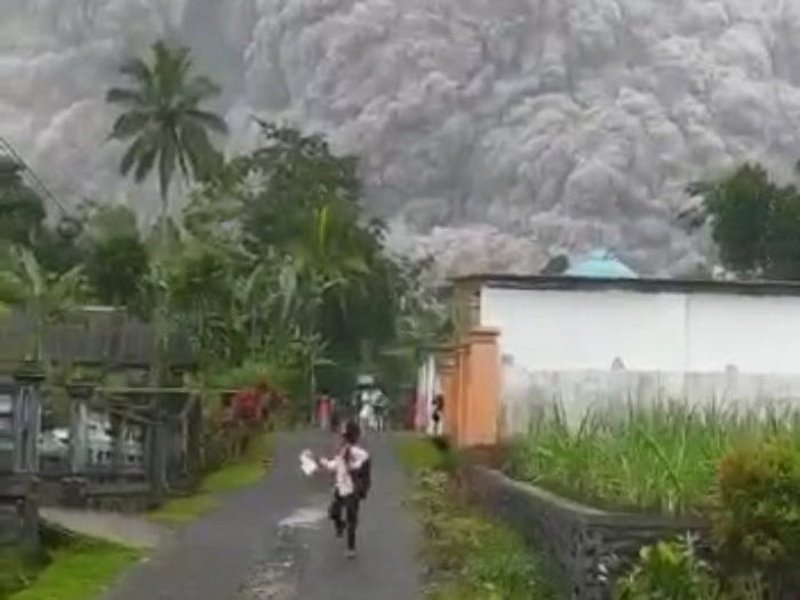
(288, 216)
(271, 261)
(754, 222)
(22, 209)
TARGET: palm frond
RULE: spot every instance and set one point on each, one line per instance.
(136, 69)
(145, 163)
(208, 119)
(124, 96)
(198, 147)
(196, 90)
(131, 155)
(128, 124)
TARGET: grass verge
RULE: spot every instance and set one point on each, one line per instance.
(469, 554)
(78, 569)
(242, 473)
(17, 570)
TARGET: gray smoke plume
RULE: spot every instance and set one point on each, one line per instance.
(493, 133)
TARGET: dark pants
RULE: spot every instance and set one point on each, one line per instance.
(344, 514)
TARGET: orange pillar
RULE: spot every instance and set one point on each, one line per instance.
(482, 398)
(463, 378)
(445, 364)
(453, 401)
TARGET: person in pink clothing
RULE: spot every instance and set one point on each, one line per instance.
(325, 408)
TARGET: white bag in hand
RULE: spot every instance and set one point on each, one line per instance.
(307, 463)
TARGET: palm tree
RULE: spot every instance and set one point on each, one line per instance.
(163, 120)
(167, 128)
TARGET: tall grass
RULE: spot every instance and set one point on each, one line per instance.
(659, 458)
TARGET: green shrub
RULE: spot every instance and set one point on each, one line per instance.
(673, 571)
(669, 571)
(442, 443)
(417, 453)
(757, 519)
(420, 453)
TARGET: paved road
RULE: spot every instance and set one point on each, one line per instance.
(273, 542)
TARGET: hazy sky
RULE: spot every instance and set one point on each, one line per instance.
(529, 125)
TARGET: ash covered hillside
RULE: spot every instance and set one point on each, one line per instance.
(531, 126)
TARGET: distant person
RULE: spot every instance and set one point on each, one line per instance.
(360, 398)
(352, 470)
(366, 416)
(380, 405)
(336, 417)
(438, 413)
(325, 410)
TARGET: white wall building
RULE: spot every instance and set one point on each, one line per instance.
(586, 340)
(428, 386)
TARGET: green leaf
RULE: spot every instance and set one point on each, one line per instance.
(128, 124)
(131, 156)
(208, 119)
(124, 96)
(146, 161)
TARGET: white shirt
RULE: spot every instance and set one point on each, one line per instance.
(344, 482)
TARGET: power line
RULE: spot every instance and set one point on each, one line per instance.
(29, 176)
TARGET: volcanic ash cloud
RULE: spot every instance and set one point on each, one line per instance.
(528, 126)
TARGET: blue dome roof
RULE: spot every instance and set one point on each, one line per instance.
(601, 264)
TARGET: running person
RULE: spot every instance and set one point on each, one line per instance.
(351, 467)
(381, 405)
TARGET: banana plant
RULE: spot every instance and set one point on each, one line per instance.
(46, 298)
(10, 293)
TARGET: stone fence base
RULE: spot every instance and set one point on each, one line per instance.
(587, 548)
(19, 514)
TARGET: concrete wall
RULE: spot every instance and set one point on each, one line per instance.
(427, 387)
(585, 549)
(585, 348)
(556, 330)
(525, 395)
